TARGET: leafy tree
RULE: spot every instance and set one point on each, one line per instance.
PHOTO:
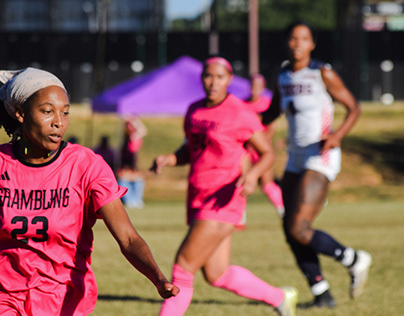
(274, 15)
(277, 14)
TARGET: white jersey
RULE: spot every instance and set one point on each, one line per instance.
(308, 106)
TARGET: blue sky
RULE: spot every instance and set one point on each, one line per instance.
(185, 8)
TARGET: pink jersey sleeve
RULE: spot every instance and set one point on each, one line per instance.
(102, 185)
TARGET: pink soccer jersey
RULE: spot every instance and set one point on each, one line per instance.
(46, 215)
(215, 138)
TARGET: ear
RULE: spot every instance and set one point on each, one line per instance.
(19, 113)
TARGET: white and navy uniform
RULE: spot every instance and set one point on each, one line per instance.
(309, 111)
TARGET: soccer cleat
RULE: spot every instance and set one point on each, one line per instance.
(359, 273)
(288, 305)
(281, 211)
(322, 300)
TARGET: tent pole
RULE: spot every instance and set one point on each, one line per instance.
(253, 27)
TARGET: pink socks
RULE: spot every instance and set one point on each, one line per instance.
(242, 282)
(177, 306)
(274, 194)
(236, 279)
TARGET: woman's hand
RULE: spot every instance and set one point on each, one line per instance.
(162, 161)
(249, 182)
(180, 157)
(167, 289)
(329, 141)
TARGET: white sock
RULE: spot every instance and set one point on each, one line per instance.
(320, 287)
(348, 258)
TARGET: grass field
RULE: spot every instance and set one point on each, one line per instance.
(374, 226)
(365, 210)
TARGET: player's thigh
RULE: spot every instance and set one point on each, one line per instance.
(289, 185)
(313, 188)
(310, 198)
(202, 240)
(304, 194)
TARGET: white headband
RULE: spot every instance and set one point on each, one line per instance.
(19, 85)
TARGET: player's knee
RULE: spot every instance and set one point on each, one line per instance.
(300, 231)
(187, 265)
(210, 278)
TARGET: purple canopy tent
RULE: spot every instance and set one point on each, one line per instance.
(166, 91)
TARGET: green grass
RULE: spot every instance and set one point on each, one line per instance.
(374, 226)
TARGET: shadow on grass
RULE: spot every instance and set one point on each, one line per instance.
(108, 297)
(386, 152)
(134, 298)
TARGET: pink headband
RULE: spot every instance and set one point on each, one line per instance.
(221, 61)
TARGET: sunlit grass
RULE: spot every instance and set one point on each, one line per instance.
(376, 227)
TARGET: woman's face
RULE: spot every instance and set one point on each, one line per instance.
(216, 78)
(257, 87)
(300, 43)
(45, 119)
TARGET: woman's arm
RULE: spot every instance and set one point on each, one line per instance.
(341, 94)
(274, 109)
(134, 248)
(141, 129)
(250, 179)
(178, 158)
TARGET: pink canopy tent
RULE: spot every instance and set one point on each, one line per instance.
(166, 91)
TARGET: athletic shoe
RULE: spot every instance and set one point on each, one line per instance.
(288, 305)
(359, 273)
(281, 211)
(320, 301)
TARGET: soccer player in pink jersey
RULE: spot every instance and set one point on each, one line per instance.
(216, 129)
(260, 104)
(304, 91)
(51, 194)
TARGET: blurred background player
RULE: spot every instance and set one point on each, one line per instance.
(105, 151)
(260, 103)
(304, 91)
(128, 174)
(216, 129)
(134, 132)
(51, 198)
